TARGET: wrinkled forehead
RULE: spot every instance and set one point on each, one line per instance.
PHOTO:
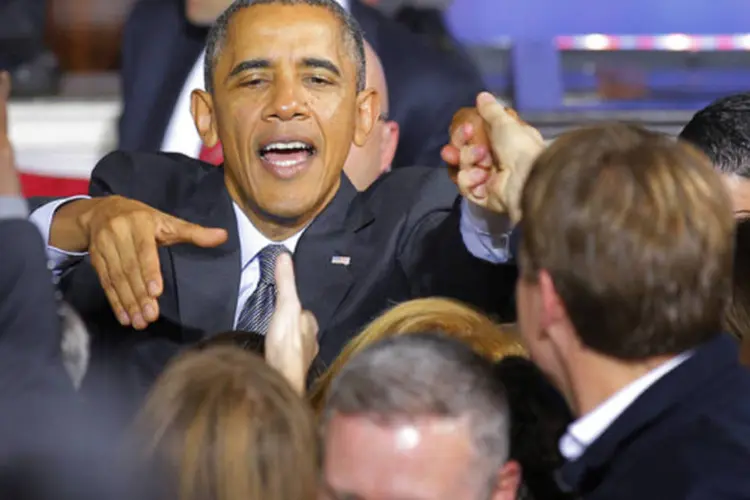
(282, 34)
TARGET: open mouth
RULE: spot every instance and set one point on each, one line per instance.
(286, 154)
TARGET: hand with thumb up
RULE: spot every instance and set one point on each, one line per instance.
(292, 338)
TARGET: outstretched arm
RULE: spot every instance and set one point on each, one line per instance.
(30, 351)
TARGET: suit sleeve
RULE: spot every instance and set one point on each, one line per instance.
(31, 368)
(112, 175)
(47, 440)
(436, 261)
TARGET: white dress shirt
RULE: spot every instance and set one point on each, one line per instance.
(252, 242)
(583, 432)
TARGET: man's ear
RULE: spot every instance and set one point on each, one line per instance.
(555, 323)
(368, 109)
(553, 309)
(388, 145)
(508, 481)
(202, 109)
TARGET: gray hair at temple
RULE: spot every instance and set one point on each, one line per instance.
(422, 375)
(351, 31)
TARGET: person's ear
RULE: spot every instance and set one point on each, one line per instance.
(553, 309)
(508, 481)
(202, 109)
(555, 323)
(368, 109)
(388, 145)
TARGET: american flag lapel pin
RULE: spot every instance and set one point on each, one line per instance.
(341, 260)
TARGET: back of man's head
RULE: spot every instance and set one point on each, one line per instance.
(418, 376)
(634, 231)
(722, 131)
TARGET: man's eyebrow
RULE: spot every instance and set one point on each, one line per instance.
(248, 65)
(315, 62)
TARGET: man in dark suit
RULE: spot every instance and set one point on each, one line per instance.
(31, 368)
(160, 66)
(624, 315)
(49, 445)
(286, 100)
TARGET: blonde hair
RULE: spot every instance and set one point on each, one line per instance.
(440, 315)
(228, 427)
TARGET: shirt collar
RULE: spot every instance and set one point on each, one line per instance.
(584, 431)
(253, 241)
(344, 4)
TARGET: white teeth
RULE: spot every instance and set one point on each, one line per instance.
(286, 163)
(281, 146)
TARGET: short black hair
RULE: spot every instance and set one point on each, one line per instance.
(352, 32)
(722, 131)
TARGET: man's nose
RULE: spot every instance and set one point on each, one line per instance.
(287, 103)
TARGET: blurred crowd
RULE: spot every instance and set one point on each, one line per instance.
(324, 264)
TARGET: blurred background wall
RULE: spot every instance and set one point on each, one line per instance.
(85, 34)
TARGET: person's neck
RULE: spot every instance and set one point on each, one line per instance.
(595, 378)
(274, 228)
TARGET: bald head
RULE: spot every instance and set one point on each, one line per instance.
(376, 77)
(365, 164)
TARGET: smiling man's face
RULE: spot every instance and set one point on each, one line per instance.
(286, 109)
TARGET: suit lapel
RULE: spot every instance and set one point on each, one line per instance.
(322, 258)
(208, 279)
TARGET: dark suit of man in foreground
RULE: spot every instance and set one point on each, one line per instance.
(161, 47)
(286, 99)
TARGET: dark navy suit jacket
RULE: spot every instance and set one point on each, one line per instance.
(51, 445)
(426, 85)
(686, 437)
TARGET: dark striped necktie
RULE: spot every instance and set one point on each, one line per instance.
(256, 313)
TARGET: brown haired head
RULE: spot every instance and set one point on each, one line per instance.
(635, 230)
(227, 426)
(446, 316)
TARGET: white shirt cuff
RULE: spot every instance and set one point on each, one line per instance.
(486, 234)
(13, 207)
(58, 259)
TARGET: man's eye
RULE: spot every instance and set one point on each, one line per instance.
(253, 82)
(317, 80)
